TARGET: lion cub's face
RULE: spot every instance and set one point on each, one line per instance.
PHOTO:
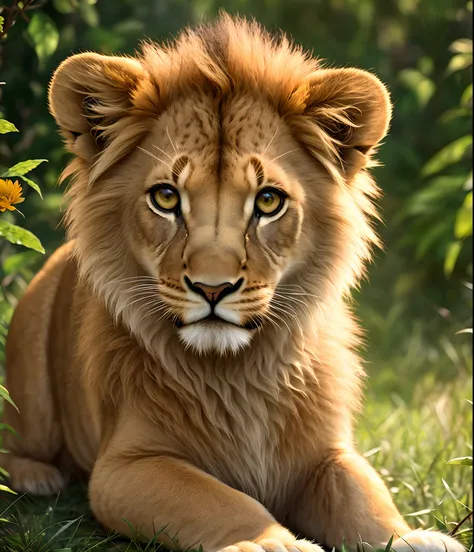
(215, 218)
(219, 183)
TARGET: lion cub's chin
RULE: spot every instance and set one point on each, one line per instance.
(208, 337)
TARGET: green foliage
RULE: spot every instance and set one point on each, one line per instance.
(20, 236)
(462, 461)
(430, 203)
(5, 396)
(11, 232)
(20, 169)
(44, 34)
(6, 127)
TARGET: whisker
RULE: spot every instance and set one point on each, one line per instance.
(291, 298)
(255, 302)
(156, 311)
(154, 157)
(269, 318)
(131, 278)
(179, 298)
(171, 141)
(279, 307)
(282, 155)
(163, 151)
(278, 317)
(295, 294)
(271, 141)
(141, 296)
(136, 287)
(307, 306)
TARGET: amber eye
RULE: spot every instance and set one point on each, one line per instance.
(269, 201)
(164, 197)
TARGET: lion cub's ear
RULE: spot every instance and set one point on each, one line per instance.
(353, 108)
(94, 98)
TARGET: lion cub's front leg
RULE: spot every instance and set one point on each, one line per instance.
(158, 492)
(134, 480)
(346, 501)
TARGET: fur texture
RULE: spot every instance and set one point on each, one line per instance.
(227, 421)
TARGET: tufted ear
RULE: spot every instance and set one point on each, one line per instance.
(352, 109)
(94, 98)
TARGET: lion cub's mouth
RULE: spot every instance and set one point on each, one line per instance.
(215, 321)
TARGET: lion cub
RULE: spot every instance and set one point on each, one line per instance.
(190, 346)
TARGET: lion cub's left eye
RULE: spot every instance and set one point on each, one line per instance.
(164, 197)
(269, 201)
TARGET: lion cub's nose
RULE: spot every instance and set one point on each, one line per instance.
(213, 294)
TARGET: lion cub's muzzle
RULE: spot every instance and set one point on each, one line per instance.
(213, 294)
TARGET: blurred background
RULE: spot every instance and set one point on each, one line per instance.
(416, 305)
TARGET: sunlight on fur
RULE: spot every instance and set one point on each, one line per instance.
(191, 347)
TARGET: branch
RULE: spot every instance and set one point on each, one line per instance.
(18, 8)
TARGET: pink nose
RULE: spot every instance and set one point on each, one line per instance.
(213, 293)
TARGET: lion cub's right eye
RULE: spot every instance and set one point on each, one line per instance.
(164, 198)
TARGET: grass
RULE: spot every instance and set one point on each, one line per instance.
(417, 416)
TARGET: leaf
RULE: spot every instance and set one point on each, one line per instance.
(7, 489)
(389, 544)
(5, 395)
(20, 236)
(33, 185)
(422, 86)
(89, 14)
(463, 224)
(63, 528)
(6, 126)
(64, 6)
(465, 330)
(420, 512)
(8, 428)
(371, 452)
(432, 196)
(452, 254)
(2, 20)
(466, 98)
(45, 36)
(468, 183)
(461, 46)
(461, 461)
(431, 237)
(20, 169)
(458, 63)
(450, 154)
(453, 114)
(452, 495)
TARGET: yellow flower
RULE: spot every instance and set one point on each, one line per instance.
(10, 193)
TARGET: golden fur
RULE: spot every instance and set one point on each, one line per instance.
(224, 431)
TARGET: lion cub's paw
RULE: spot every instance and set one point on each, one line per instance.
(427, 541)
(35, 477)
(273, 545)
